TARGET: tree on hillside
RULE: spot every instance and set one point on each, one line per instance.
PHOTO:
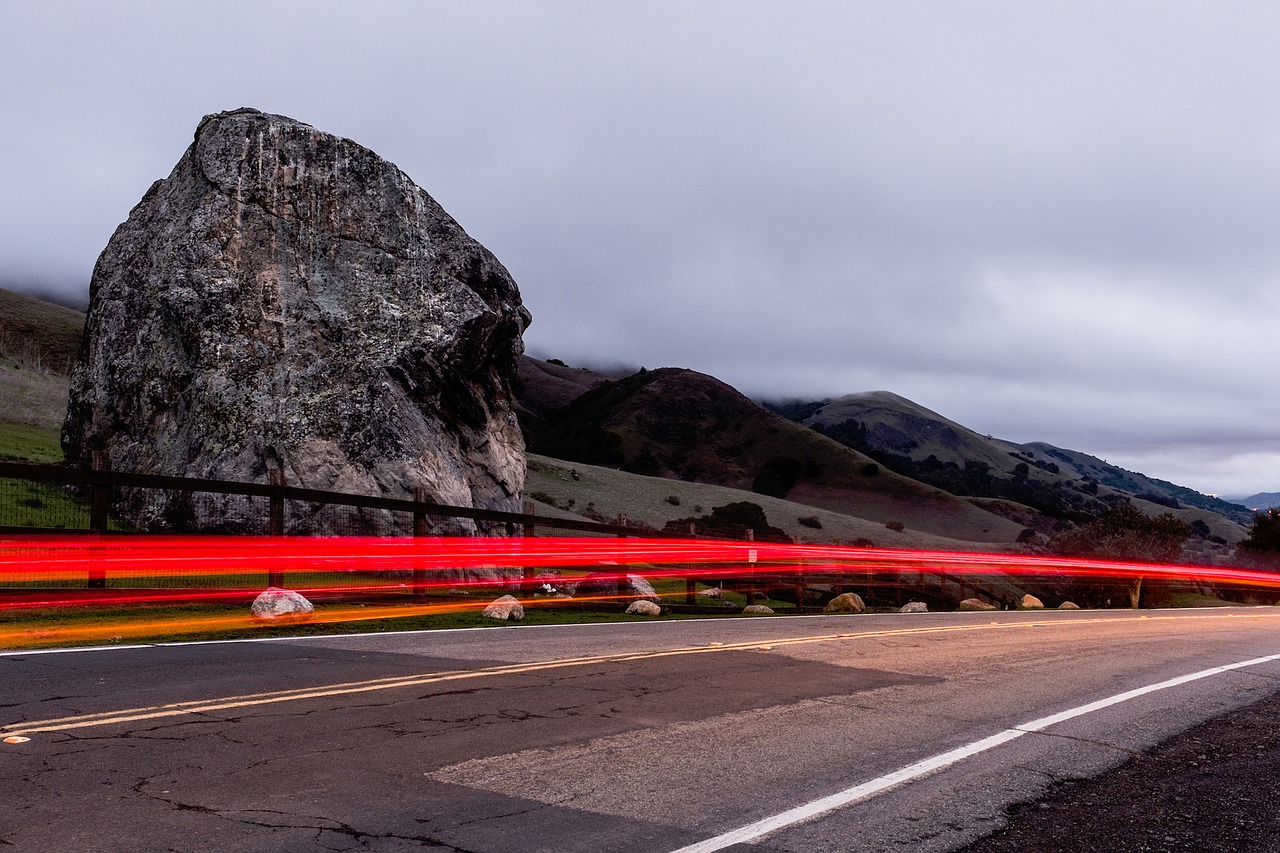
(1125, 533)
(1262, 548)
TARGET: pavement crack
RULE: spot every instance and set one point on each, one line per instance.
(1111, 746)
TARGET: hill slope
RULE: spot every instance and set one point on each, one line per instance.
(923, 444)
(39, 335)
(684, 425)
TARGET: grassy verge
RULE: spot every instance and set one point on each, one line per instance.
(128, 624)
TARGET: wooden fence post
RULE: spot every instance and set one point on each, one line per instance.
(420, 525)
(99, 505)
(275, 477)
(530, 529)
(751, 571)
(690, 583)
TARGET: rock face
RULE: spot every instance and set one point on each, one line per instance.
(286, 298)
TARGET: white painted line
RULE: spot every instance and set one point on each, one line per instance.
(72, 649)
(867, 790)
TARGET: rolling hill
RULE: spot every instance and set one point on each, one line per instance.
(684, 425)
(1061, 483)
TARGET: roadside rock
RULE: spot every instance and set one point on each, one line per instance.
(757, 608)
(276, 603)
(914, 607)
(643, 607)
(1030, 602)
(846, 602)
(638, 586)
(712, 592)
(611, 585)
(1068, 605)
(508, 607)
(288, 299)
(975, 604)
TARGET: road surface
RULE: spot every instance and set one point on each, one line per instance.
(903, 732)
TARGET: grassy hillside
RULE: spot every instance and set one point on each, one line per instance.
(38, 335)
(38, 345)
(575, 490)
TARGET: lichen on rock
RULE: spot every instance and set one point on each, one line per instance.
(287, 298)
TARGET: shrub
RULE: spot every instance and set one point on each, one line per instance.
(871, 469)
(895, 526)
(674, 500)
(778, 477)
(810, 521)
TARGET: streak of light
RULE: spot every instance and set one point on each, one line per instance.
(233, 569)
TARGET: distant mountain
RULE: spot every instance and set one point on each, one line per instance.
(916, 442)
(1259, 502)
(688, 426)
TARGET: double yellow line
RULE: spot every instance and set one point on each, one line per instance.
(204, 706)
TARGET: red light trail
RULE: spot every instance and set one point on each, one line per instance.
(225, 569)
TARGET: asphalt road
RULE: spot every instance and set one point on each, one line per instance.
(662, 737)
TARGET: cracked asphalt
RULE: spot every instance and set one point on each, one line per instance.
(508, 740)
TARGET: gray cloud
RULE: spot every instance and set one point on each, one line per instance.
(1051, 221)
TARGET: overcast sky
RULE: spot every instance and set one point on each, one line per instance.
(1050, 221)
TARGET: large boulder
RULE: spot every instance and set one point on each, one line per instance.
(975, 604)
(288, 299)
(1030, 602)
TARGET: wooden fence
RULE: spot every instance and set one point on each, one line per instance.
(94, 487)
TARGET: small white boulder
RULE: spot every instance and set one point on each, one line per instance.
(757, 608)
(914, 607)
(643, 607)
(276, 603)
(846, 602)
(508, 607)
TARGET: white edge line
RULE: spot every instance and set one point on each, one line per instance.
(866, 790)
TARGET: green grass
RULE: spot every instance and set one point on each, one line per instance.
(26, 443)
(27, 504)
(1195, 599)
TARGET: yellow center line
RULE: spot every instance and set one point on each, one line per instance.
(201, 706)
